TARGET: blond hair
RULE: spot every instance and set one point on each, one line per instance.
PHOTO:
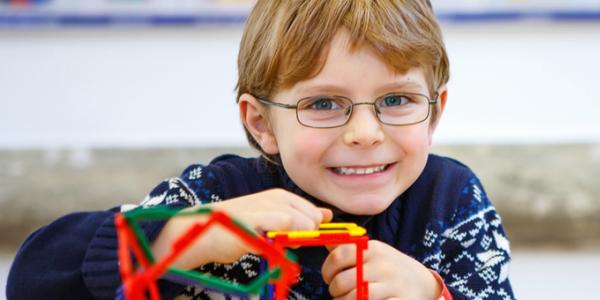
(285, 41)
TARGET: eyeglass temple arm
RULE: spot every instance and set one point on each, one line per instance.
(435, 99)
(268, 102)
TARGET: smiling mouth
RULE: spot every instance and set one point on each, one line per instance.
(360, 171)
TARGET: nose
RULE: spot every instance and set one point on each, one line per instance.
(363, 129)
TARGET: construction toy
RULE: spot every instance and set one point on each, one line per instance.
(140, 278)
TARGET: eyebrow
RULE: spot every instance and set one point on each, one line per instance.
(320, 88)
(410, 85)
(334, 88)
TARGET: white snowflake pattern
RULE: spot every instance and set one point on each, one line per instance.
(171, 199)
(195, 173)
(477, 193)
(486, 241)
(215, 198)
(488, 275)
(153, 201)
(430, 237)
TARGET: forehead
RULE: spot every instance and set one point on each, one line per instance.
(358, 70)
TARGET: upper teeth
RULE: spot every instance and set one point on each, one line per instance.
(361, 171)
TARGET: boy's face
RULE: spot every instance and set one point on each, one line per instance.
(319, 160)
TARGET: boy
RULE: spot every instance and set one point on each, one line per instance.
(342, 99)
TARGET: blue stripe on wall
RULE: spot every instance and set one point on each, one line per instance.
(8, 20)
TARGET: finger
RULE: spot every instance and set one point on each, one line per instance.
(301, 221)
(376, 290)
(349, 296)
(282, 219)
(339, 259)
(327, 215)
(307, 208)
(331, 247)
(268, 221)
(343, 283)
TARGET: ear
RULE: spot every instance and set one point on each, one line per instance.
(255, 119)
(439, 107)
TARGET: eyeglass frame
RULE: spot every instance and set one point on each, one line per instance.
(377, 113)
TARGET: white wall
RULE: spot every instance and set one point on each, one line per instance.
(523, 83)
(528, 82)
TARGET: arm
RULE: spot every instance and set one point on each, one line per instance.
(260, 210)
(75, 257)
(49, 263)
(274, 209)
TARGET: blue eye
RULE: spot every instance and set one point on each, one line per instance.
(324, 104)
(394, 100)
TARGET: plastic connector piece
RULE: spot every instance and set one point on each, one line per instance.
(331, 234)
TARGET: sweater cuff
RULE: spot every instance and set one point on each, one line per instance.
(100, 266)
(445, 294)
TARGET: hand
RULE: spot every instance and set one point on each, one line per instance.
(274, 209)
(391, 274)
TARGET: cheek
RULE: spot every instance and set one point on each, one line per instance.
(301, 145)
(414, 140)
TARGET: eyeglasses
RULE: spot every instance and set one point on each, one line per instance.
(396, 109)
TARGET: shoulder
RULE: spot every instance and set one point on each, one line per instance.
(231, 165)
(451, 188)
(459, 202)
(224, 177)
(466, 189)
(443, 178)
(221, 169)
(445, 168)
(241, 175)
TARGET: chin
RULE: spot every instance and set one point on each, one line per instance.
(365, 206)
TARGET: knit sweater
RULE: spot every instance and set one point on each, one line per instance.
(444, 220)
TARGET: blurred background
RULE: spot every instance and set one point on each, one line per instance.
(100, 100)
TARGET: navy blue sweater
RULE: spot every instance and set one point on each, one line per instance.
(444, 220)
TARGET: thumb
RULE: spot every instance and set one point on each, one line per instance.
(327, 214)
(331, 247)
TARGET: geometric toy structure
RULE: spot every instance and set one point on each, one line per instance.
(331, 234)
(139, 282)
